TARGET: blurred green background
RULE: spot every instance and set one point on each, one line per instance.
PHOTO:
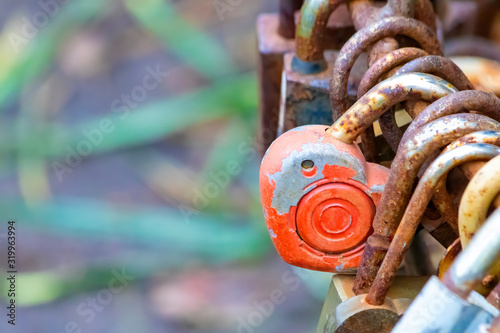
(128, 161)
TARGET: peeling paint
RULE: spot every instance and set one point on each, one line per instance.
(291, 185)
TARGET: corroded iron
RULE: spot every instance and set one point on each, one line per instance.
(344, 312)
(385, 64)
(439, 66)
(476, 200)
(404, 170)
(442, 200)
(366, 37)
(459, 102)
(312, 28)
(480, 256)
(415, 210)
(384, 95)
(381, 69)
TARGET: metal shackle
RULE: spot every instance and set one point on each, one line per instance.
(415, 210)
(365, 37)
(404, 171)
(384, 95)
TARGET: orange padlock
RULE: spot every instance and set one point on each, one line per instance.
(319, 197)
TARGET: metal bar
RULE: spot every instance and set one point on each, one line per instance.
(476, 200)
(477, 259)
(366, 37)
(463, 101)
(426, 188)
(404, 170)
(384, 95)
(385, 64)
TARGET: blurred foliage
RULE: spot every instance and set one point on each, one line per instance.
(220, 233)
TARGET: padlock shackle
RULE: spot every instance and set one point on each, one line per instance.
(366, 37)
(404, 171)
(382, 69)
(427, 186)
(385, 64)
(442, 199)
(477, 199)
(383, 96)
(462, 101)
(429, 64)
(439, 66)
(477, 260)
(311, 28)
(489, 137)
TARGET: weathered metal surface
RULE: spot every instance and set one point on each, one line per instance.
(451, 254)
(319, 196)
(402, 291)
(438, 309)
(459, 102)
(489, 137)
(436, 65)
(415, 210)
(384, 95)
(305, 98)
(272, 47)
(439, 66)
(442, 199)
(480, 256)
(312, 30)
(381, 69)
(404, 170)
(476, 200)
(386, 63)
(366, 37)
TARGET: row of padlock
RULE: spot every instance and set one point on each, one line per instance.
(333, 206)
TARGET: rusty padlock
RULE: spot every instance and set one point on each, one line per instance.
(319, 197)
(355, 315)
(306, 72)
(300, 158)
(275, 34)
(451, 305)
(276, 37)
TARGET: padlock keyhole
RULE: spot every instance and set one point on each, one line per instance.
(307, 164)
(308, 168)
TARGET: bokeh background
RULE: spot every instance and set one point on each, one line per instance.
(128, 161)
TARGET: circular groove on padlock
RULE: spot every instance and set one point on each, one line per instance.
(335, 217)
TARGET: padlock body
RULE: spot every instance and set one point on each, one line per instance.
(319, 198)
